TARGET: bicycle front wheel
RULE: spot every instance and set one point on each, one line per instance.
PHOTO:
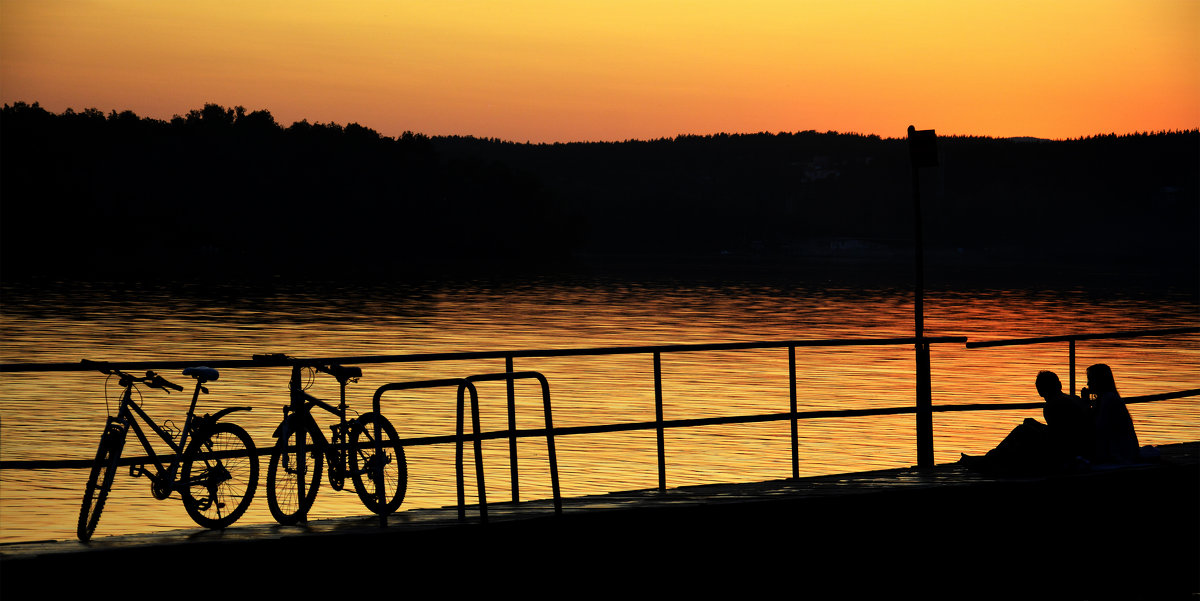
(100, 480)
(219, 476)
(286, 471)
(380, 478)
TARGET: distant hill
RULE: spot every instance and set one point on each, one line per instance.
(798, 193)
(231, 191)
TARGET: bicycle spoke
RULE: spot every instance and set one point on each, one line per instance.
(220, 476)
(284, 478)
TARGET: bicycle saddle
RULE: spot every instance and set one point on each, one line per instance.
(345, 373)
(204, 374)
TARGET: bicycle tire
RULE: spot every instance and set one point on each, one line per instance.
(283, 481)
(389, 470)
(100, 480)
(216, 491)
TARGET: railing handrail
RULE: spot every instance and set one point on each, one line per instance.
(1090, 336)
(627, 427)
(469, 355)
(1071, 339)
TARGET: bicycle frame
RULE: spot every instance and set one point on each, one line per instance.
(298, 417)
(163, 472)
(292, 483)
(299, 420)
(163, 478)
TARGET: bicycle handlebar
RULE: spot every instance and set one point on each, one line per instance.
(151, 379)
(154, 380)
(339, 372)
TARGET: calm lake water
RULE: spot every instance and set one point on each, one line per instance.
(59, 415)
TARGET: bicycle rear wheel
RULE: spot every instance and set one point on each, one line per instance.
(100, 480)
(387, 470)
(284, 475)
(219, 476)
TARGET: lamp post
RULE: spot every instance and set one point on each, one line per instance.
(922, 149)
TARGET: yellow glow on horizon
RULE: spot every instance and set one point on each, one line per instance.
(563, 71)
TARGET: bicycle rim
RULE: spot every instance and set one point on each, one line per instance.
(100, 479)
(378, 474)
(219, 476)
(284, 475)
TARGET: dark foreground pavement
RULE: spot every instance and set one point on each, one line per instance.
(1123, 533)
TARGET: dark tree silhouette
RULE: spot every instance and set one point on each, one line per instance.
(231, 191)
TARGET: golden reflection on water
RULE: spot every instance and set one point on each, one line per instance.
(60, 414)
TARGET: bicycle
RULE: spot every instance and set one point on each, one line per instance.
(363, 448)
(213, 467)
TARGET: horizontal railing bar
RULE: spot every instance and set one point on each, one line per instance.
(818, 414)
(1070, 337)
(625, 427)
(471, 355)
(35, 464)
(1164, 396)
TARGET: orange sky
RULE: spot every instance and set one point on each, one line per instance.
(614, 70)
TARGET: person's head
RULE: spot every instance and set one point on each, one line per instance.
(1100, 379)
(1048, 384)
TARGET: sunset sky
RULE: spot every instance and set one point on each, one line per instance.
(579, 70)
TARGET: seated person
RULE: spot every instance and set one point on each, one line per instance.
(1115, 440)
(1068, 416)
(1033, 447)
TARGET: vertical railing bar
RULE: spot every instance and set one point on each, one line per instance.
(795, 427)
(512, 428)
(458, 457)
(658, 416)
(924, 412)
(475, 430)
(297, 403)
(554, 485)
(1072, 366)
(376, 470)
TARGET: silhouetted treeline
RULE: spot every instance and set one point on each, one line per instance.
(86, 193)
(220, 189)
(809, 192)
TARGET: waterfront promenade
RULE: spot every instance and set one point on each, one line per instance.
(1131, 532)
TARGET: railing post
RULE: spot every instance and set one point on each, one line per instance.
(1072, 365)
(475, 431)
(549, 416)
(658, 416)
(795, 427)
(512, 436)
(922, 149)
(459, 441)
(297, 400)
(924, 407)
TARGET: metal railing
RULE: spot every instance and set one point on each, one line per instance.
(659, 424)
(1071, 339)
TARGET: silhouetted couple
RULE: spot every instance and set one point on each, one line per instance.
(1094, 429)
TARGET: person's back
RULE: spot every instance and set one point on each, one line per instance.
(1115, 439)
(1071, 425)
(1068, 417)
